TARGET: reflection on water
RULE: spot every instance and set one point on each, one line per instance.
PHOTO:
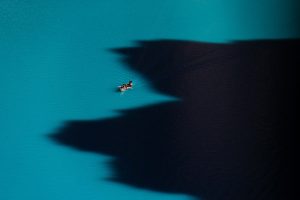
(227, 137)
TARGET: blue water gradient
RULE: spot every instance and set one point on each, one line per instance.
(55, 65)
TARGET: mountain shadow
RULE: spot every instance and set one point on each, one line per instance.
(229, 137)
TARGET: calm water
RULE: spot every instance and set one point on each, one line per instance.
(55, 66)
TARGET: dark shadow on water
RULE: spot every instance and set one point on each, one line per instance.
(230, 136)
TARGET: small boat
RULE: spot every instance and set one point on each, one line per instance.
(125, 86)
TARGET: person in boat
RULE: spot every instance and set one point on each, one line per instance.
(126, 86)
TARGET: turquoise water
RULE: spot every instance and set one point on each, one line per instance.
(55, 66)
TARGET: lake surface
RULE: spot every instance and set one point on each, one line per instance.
(56, 65)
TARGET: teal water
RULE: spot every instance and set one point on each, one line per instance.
(55, 66)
